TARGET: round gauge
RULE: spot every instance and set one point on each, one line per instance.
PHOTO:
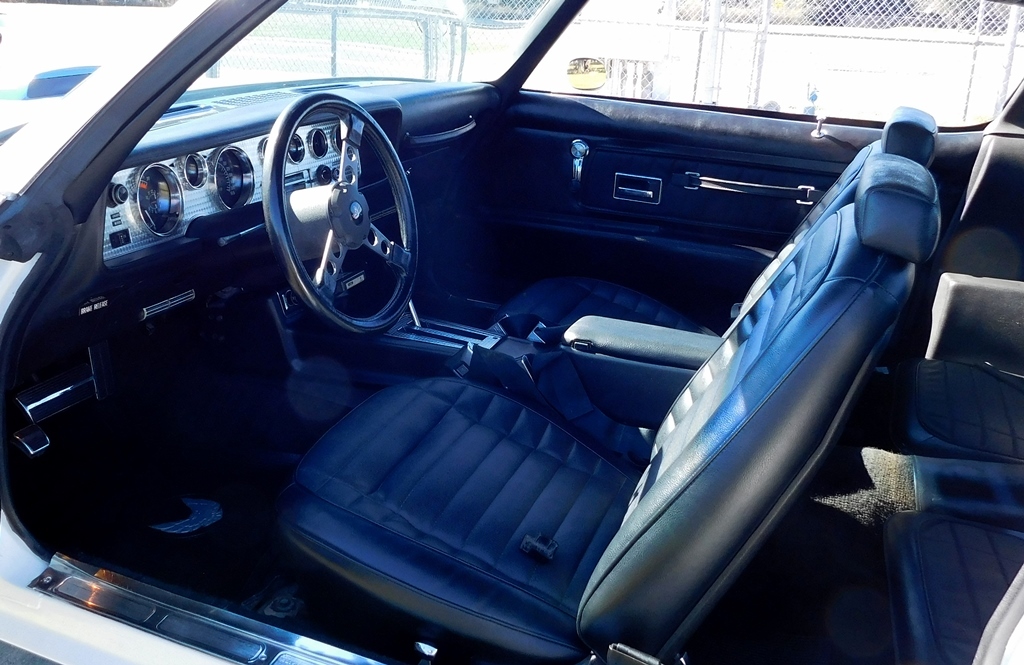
(195, 171)
(261, 149)
(317, 143)
(158, 199)
(296, 149)
(233, 177)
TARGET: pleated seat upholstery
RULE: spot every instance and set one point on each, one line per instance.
(949, 409)
(442, 510)
(948, 577)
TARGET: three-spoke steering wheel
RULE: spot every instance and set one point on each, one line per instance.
(318, 226)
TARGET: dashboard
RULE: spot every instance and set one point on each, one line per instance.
(172, 216)
(156, 203)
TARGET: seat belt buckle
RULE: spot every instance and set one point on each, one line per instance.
(620, 654)
(539, 547)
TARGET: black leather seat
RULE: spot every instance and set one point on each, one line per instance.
(950, 409)
(427, 496)
(947, 577)
(561, 301)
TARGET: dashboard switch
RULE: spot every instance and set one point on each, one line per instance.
(120, 238)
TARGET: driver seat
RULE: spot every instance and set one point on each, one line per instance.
(488, 525)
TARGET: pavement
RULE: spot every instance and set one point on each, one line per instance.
(11, 655)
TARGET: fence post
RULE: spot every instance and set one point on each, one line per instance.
(978, 26)
(754, 99)
(709, 53)
(334, 43)
(429, 47)
(1012, 28)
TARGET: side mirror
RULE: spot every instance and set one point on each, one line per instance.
(587, 73)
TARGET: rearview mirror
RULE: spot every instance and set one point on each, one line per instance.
(587, 73)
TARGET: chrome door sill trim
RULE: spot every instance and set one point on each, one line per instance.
(189, 622)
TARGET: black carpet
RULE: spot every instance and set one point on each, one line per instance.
(190, 417)
(817, 592)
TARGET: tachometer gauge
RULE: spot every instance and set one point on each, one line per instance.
(233, 177)
(296, 149)
(158, 199)
(194, 168)
(317, 141)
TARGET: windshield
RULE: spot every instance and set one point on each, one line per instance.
(46, 49)
(434, 40)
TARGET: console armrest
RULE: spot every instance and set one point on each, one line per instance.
(977, 320)
(641, 342)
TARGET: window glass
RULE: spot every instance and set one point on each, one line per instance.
(957, 59)
(435, 40)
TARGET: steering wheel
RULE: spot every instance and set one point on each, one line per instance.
(318, 226)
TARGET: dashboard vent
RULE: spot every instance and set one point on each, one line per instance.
(177, 114)
(258, 98)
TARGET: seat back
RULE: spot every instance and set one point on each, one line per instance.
(750, 428)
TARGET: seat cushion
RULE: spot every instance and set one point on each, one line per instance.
(562, 301)
(946, 409)
(423, 497)
(947, 577)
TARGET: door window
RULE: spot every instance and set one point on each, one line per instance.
(956, 59)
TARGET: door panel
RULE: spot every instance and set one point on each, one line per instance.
(520, 216)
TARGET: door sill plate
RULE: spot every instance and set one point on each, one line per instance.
(209, 629)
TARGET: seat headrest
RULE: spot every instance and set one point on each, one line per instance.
(897, 207)
(910, 133)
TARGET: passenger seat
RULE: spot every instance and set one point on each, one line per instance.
(561, 301)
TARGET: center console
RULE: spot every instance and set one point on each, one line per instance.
(632, 372)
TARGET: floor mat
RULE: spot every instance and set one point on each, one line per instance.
(220, 559)
(203, 513)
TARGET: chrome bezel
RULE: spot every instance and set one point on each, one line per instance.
(204, 170)
(290, 158)
(310, 142)
(248, 178)
(174, 187)
(261, 149)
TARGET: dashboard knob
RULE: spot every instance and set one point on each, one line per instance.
(323, 174)
(118, 194)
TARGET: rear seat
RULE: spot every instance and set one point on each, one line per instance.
(952, 409)
(947, 578)
(955, 567)
(965, 399)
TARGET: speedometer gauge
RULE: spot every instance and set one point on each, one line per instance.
(158, 199)
(233, 177)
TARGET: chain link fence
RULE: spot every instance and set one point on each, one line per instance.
(439, 40)
(958, 59)
(850, 58)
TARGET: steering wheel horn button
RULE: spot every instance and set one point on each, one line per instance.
(348, 212)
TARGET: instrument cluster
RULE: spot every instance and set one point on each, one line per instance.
(154, 204)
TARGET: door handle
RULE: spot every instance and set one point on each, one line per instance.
(637, 188)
